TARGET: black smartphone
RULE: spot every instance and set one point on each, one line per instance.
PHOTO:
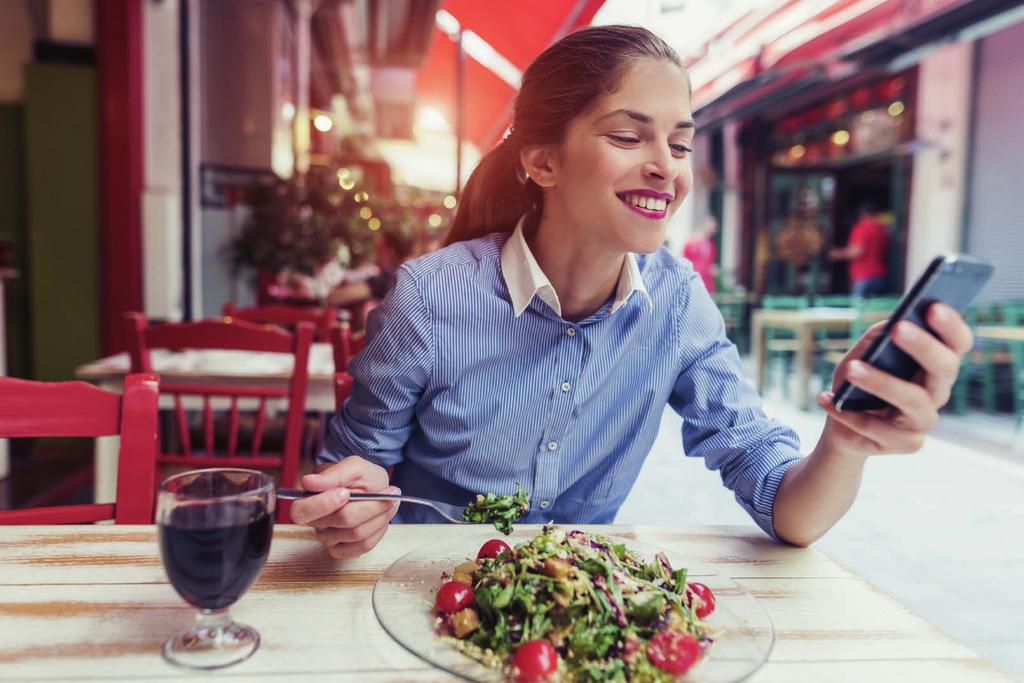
(953, 279)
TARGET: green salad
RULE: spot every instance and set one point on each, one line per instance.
(570, 606)
(501, 510)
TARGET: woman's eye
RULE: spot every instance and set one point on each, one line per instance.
(680, 149)
(624, 139)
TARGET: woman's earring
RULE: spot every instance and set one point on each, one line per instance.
(521, 174)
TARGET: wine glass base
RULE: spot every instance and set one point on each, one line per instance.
(212, 648)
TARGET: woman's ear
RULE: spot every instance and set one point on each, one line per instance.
(538, 162)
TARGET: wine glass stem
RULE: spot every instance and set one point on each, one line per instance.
(213, 621)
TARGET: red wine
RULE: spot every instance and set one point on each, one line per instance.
(214, 551)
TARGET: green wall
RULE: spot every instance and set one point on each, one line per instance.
(12, 232)
(63, 225)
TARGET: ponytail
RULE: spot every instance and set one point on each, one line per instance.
(495, 196)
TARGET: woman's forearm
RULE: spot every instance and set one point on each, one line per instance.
(817, 491)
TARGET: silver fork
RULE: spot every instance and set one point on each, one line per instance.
(452, 513)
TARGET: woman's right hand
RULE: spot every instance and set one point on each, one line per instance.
(346, 530)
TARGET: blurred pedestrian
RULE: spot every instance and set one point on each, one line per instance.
(867, 251)
(700, 250)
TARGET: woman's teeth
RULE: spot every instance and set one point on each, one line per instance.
(649, 203)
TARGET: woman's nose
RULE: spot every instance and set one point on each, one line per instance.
(661, 167)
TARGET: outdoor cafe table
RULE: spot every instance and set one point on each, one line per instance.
(804, 323)
(205, 366)
(1000, 333)
(92, 603)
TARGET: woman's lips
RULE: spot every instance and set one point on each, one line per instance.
(646, 213)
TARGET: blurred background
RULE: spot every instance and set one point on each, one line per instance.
(174, 157)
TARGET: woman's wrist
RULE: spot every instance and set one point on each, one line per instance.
(832, 453)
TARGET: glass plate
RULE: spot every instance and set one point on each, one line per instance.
(403, 601)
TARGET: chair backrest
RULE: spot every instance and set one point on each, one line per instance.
(783, 302)
(37, 409)
(205, 397)
(345, 344)
(286, 316)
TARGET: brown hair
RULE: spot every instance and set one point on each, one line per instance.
(557, 87)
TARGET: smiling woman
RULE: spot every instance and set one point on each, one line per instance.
(542, 344)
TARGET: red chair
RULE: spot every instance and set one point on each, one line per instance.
(287, 316)
(34, 409)
(239, 336)
(345, 344)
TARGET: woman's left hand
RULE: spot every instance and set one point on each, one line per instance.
(915, 404)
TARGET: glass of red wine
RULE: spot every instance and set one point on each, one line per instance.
(215, 527)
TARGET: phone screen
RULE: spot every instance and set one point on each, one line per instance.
(955, 280)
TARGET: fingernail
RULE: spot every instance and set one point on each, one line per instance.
(857, 369)
(825, 397)
(340, 496)
(906, 331)
(394, 490)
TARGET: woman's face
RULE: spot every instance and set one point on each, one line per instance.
(624, 167)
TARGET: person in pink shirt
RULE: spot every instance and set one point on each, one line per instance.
(700, 250)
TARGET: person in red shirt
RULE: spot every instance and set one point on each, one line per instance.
(700, 250)
(867, 251)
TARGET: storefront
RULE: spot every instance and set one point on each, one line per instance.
(821, 164)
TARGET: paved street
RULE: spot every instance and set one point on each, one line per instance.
(920, 524)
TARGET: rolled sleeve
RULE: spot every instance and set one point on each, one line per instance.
(389, 376)
(722, 417)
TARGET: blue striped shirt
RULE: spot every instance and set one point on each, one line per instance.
(464, 396)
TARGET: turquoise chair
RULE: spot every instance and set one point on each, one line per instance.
(780, 344)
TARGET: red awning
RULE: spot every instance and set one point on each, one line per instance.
(518, 32)
(799, 33)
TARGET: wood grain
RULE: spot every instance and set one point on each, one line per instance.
(93, 603)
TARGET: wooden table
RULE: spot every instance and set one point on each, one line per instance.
(203, 366)
(92, 603)
(804, 323)
(1000, 333)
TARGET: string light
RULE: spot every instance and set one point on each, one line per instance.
(896, 108)
(434, 220)
(797, 151)
(322, 122)
(361, 197)
(840, 137)
(450, 202)
(365, 213)
(347, 184)
(374, 224)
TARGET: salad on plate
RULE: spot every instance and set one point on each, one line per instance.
(571, 606)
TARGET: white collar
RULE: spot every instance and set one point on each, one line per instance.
(524, 278)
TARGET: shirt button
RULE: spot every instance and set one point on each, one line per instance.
(544, 504)
(566, 386)
(571, 331)
(552, 445)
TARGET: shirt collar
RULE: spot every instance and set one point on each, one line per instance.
(525, 279)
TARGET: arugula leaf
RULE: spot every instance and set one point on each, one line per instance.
(501, 510)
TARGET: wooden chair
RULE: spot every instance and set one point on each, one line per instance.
(345, 344)
(230, 398)
(36, 409)
(287, 316)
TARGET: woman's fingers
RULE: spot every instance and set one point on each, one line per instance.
(332, 536)
(873, 433)
(356, 513)
(912, 400)
(939, 362)
(346, 551)
(951, 328)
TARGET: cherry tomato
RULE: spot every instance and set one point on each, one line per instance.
(534, 660)
(453, 597)
(493, 548)
(673, 651)
(706, 597)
